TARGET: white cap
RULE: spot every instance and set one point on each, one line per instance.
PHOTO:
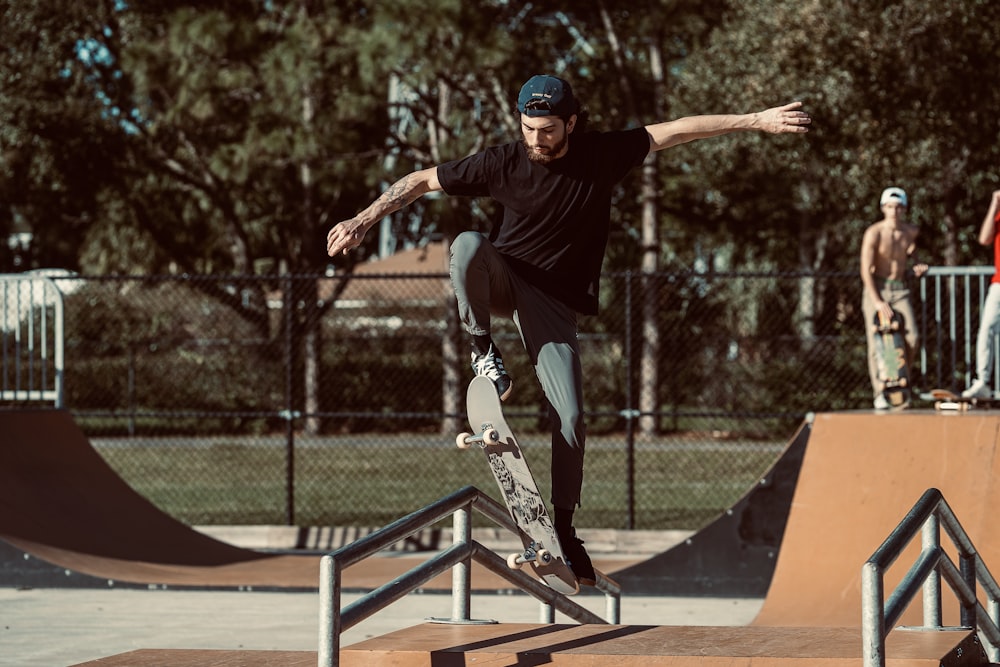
(893, 193)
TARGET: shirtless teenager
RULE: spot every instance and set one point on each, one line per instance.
(885, 250)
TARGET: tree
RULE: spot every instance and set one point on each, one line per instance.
(221, 137)
(657, 46)
(58, 139)
(896, 100)
(893, 88)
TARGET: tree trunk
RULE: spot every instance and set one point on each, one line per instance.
(452, 386)
(649, 367)
(311, 347)
(311, 327)
(649, 355)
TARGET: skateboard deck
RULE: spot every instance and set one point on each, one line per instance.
(890, 353)
(949, 400)
(517, 485)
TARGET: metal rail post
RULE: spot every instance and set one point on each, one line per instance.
(329, 612)
(931, 539)
(461, 574)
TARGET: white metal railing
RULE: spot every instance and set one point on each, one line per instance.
(950, 303)
(879, 615)
(31, 339)
(459, 556)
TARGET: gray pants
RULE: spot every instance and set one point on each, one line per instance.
(989, 324)
(485, 287)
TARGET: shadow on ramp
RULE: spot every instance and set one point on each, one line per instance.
(735, 555)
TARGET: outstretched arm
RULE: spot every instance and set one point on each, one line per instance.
(777, 120)
(988, 230)
(348, 234)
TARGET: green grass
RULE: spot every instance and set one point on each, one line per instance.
(370, 480)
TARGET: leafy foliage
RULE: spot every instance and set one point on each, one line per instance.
(219, 137)
(895, 92)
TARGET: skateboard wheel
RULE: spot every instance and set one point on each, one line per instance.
(491, 437)
(514, 561)
(543, 556)
(463, 440)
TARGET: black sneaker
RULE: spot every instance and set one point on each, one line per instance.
(491, 365)
(577, 558)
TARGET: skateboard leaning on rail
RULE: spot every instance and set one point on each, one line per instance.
(517, 485)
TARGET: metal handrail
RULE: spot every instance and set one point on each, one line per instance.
(949, 298)
(333, 620)
(927, 516)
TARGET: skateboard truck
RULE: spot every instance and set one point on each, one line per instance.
(489, 436)
(533, 553)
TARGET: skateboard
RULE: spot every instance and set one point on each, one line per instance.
(520, 493)
(949, 400)
(890, 353)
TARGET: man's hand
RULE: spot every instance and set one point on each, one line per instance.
(884, 308)
(344, 236)
(778, 120)
(920, 269)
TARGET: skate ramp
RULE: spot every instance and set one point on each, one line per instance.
(60, 502)
(862, 472)
(68, 520)
(859, 475)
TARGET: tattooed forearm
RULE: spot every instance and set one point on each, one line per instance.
(398, 195)
(401, 193)
(348, 234)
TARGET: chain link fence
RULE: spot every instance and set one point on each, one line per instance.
(335, 400)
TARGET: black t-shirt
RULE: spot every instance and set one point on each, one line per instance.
(556, 217)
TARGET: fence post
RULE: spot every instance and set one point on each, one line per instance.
(289, 301)
(629, 412)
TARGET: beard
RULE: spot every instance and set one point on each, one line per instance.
(549, 155)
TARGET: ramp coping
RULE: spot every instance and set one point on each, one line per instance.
(927, 516)
(333, 620)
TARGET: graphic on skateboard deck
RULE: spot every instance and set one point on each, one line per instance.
(520, 493)
(949, 400)
(890, 354)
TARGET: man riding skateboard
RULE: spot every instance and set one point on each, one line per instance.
(886, 248)
(540, 265)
